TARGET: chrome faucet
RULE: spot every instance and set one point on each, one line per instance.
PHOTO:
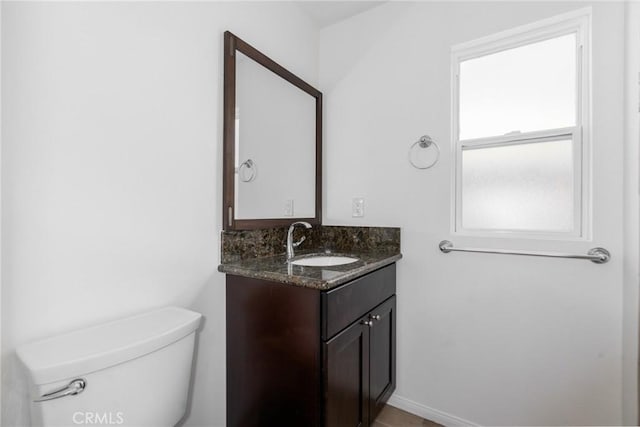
(290, 244)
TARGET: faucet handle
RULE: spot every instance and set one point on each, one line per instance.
(296, 244)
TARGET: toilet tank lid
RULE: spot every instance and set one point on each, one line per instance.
(88, 350)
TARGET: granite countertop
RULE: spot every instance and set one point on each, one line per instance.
(276, 268)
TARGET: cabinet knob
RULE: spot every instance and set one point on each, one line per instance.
(369, 323)
(374, 317)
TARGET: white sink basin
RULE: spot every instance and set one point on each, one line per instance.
(324, 261)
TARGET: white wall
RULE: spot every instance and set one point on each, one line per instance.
(631, 225)
(488, 339)
(111, 167)
(1, 3)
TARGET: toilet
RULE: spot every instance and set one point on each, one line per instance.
(129, 372)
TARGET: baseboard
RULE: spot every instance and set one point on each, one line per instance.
(428, 413)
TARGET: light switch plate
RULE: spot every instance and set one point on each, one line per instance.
(288, 208)
(357, 207)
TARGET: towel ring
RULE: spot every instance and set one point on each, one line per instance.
(425, 141)
(250, 166)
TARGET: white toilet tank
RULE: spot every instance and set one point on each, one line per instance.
(129, 372)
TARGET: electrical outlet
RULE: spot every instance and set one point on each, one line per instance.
(288, 208)
(357, 207)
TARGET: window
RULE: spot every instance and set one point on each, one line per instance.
(520, 128)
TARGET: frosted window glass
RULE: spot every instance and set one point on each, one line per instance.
(528, 88)
(518, 187)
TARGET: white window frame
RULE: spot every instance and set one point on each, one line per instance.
(578, 22)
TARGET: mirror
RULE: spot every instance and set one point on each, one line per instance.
(272, 142)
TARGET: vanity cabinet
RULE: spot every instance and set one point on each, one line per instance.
(359, 368)
(300, 356)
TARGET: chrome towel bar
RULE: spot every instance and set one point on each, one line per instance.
(597, 255)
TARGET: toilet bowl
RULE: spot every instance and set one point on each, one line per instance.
(129, 372)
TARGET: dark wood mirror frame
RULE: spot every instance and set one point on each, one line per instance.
(231, 45)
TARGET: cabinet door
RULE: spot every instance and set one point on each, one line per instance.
(346, 377)
(382, 344)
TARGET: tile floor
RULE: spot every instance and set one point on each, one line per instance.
(393, 417)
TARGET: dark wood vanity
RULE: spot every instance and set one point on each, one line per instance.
(298, 356)
(306, 345)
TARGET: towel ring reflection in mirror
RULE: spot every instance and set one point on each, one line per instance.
(425, 142)
(247, 170)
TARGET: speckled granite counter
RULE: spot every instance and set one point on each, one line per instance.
(277, 269)
(260, 254)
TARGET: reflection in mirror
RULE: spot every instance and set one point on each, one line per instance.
(272, 142)
(274, 145)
